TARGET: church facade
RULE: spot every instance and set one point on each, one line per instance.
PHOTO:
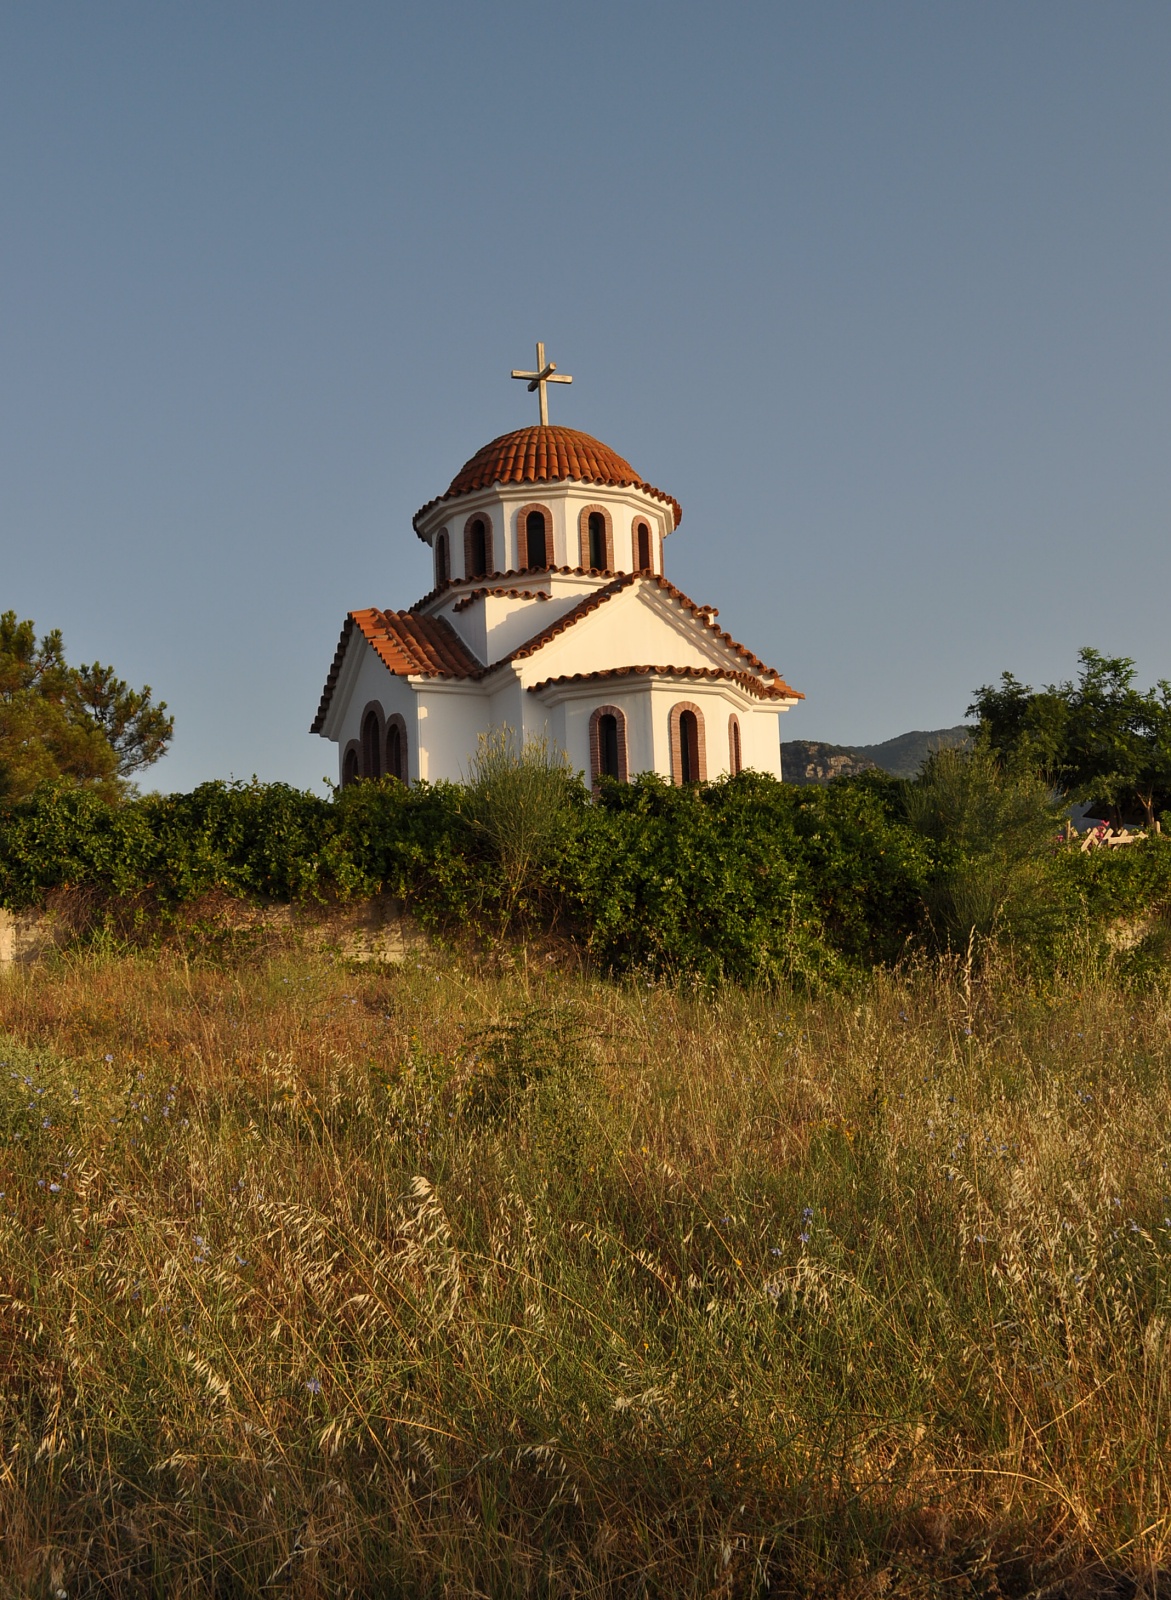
(550, 614)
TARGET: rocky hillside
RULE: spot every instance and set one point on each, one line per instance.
(811, 761)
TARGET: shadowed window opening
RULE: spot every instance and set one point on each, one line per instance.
(538, 556)
(735, 762)
(479, 550)
(597, 527)
(608, 745)
(688, 747)
(644, 548)
(396, 764)
(441, 567)
(371, 764)
(350, 769)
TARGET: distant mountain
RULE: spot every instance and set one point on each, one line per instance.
(810, 761)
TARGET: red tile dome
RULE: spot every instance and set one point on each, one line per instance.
(547, 455)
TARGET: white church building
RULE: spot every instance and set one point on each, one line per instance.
(550, 614)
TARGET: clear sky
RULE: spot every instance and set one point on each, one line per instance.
(878, 291)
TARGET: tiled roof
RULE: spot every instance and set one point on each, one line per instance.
(408, 642)
(405, 643)
(498, 594)
(536, 574)
(747, 680)
(547, 454)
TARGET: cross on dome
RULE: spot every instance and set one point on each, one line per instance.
(545, 374)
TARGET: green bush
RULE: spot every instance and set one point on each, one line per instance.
(745, 879)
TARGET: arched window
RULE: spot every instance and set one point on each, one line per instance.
(476, 548)
(396, 749)
(442, 568)
(536, 553)
(371, 745)
(350, 769)
(642, 554)
(595, 539)
(597, 533)
(608, 745)
(735, 760)
(688, 747)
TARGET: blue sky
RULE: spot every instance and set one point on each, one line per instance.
(879, 292)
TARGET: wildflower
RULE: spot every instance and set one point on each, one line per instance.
(109, 1058)
(54, 1188)
(314, 1386)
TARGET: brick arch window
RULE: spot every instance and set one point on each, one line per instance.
(372, 740)
(735, 754)
(351, 763)
(534, 537)
(608, 758)
(596, 535)
(478, 553)
(688, 743)
(643, 546)
(442, 564)
(396, 748)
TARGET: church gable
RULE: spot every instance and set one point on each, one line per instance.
(632, 621)
(406, 643)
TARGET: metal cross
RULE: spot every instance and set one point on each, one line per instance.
(546, 373)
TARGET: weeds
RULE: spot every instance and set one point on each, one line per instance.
(413, 1282)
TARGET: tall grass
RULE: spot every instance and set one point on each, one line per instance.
(326, 1282)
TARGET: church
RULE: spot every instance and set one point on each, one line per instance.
(551, 614)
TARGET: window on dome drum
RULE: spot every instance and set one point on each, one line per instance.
(441, 565)
(537, 554)
(478, 549)
(371, 739)
(350, 767)
(643, 552)
(597, 527)
(735, 763)
(396, 749)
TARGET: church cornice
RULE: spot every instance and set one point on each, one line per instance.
(414, 644)
(778, 690)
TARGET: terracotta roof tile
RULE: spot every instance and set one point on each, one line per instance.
(747, 680)
(499, 594)
(423, 646)
(546, 454)
(415, 643)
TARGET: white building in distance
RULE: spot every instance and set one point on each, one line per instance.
(551, 615)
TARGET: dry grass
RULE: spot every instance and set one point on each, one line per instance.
(324, 1282)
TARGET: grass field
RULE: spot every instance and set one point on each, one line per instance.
(318, 1281)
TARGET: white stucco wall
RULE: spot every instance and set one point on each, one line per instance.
(564, 501)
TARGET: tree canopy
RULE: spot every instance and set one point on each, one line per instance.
(81, 725)
(1100, 739)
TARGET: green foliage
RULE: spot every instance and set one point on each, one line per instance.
(744, 880)
(994, 834)
(1100, 739)
(521, 801)
(82, 726)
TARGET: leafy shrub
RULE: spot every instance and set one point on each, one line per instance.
(746, 879)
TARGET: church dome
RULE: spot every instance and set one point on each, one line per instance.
(545, 454)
